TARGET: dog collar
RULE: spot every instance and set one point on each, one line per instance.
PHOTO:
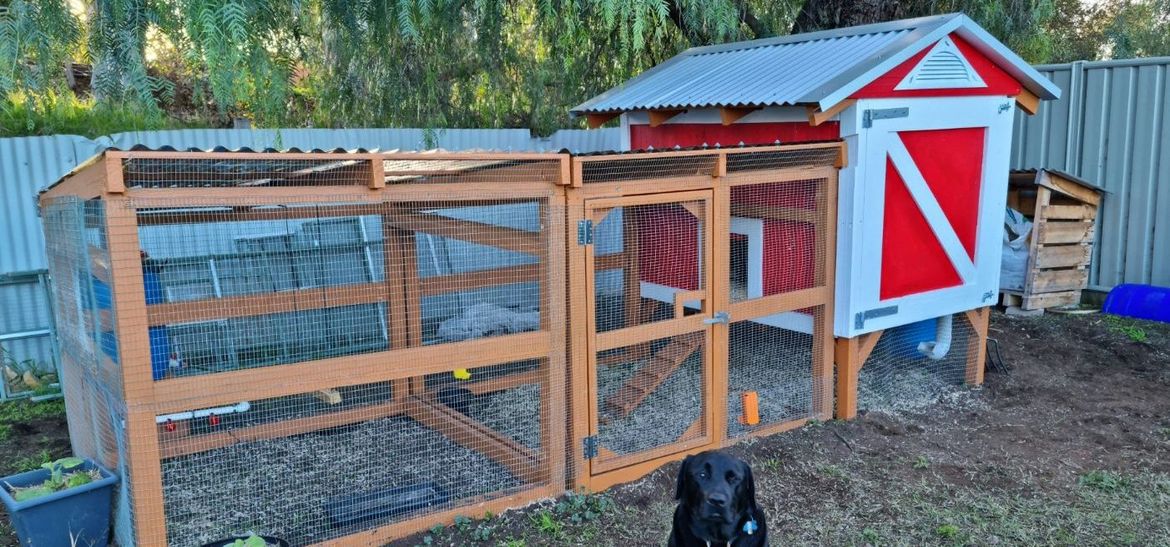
(749, 528)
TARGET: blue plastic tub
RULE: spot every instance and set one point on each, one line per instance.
(81, 513)
(1139, 301)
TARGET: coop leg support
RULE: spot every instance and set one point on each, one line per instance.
(845, 354)
(980, 319)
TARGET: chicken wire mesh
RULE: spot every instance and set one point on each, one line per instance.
(282, 404)
(913, 366)
(28, 359)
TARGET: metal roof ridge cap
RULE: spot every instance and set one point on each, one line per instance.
(856, 30)
(894, 54)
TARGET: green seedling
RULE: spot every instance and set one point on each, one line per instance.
(60, 478)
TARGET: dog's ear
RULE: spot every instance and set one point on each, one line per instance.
(684, 477)
(749, 484)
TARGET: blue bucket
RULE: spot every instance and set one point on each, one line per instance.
(1139, 301)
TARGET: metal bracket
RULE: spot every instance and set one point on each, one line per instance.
(717, 318)
(872, 114)
(590, 447)
(861, 317)
(989, 295)
(584, 232)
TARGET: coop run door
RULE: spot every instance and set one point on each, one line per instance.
(921, 221)
(648, 261)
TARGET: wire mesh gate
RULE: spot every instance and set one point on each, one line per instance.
(707, 298)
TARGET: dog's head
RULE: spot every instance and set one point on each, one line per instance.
(717, 490)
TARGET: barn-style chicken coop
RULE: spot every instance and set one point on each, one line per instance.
(347, 347)
(926, 108)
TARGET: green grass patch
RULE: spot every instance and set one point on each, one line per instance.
(1127, 327)
(27, 411)
(1103, 480)
(63, 113)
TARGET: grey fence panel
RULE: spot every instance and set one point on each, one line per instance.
(1112, 127)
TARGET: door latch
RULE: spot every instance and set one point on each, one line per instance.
(717, 318)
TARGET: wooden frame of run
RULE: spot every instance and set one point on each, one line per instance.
(397, 187)
(403, 363)
(714, 189)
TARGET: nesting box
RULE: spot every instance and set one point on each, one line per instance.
(925, 106)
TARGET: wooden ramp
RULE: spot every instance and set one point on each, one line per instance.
(660, 366)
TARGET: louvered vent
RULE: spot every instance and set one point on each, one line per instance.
(944, 67)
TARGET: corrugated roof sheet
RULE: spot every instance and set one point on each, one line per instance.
(812, 68)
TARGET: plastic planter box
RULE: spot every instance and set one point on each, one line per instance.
(74, 516)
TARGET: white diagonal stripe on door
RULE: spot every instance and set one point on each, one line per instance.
(930, 209)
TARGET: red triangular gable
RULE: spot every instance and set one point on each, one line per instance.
(998, 81)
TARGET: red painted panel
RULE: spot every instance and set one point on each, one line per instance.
(689, 135)
(951, 161)
(913, 260)
(789, 256)
(667, 239)
(998, 82)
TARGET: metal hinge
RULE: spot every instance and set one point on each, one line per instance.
(584, 232)
(872, 114)
(1005, 107)
(861, 317)
(989, 295)
(719, 317)
(590, 447)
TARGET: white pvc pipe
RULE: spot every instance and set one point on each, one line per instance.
(217, 411)
(942, 340)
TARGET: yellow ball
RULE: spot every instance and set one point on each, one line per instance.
(462, 374)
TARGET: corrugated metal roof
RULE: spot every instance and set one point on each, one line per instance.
(26, 165)
(813, 68)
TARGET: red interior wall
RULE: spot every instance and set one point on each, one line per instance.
(689, 135)
(667, 239)
(998, 82)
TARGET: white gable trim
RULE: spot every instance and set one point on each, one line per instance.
(944, 67)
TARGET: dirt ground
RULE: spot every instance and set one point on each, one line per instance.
(1070, 446)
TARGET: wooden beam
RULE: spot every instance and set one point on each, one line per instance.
(846, 354)
(265, 303)
(868, 342)
(471, 434)
(659, 117)
(223, 388)
(775, 213)
(193, 444)
(85, 182)
(443, 284)
(816, 116)
(977, 347)
(1067, 187)
(597, 120)
(465, 230)
(1028, 102)
(729, 115)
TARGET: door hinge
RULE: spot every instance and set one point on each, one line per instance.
(872, 114)
(989, 295)
(584, 232)
(1005, 107)
(861, 317)
(590, 447)
(718, 317)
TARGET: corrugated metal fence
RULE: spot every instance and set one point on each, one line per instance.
(1111, 126)
(28, 164)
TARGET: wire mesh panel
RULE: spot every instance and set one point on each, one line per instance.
(648, 263)
(652, 397)
(912, 366)
(771, 376)
(310, 467)
(779, 281)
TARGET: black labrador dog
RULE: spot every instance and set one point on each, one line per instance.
(717, 504)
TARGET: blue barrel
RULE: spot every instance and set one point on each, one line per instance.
(909, 336)
(160, 342)
(1139, 301)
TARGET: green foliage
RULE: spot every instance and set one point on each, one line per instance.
(546, 523)
(12, 412)
(922, 462)
(63, 113)
(60, 478)
(433, 63)
(581, 507)
(1103, 480)
(1128, 328)
(948, 531)
(252, 540)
